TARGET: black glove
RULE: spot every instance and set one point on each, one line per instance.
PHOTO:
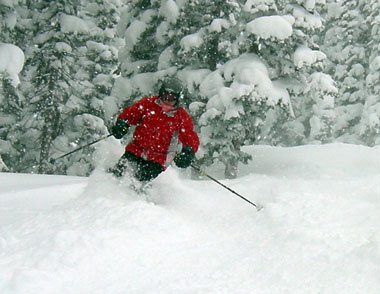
(119, 129)
(184, 158)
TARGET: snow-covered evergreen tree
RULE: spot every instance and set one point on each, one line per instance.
(50, 67)
(8, 20)
(369, 126)
(92, 79)
(71, 58)
(141, 24)
(298, 64)
(99, 64)
(345, 43)
(254, 72)
(238, 60)
(268, 74)
(322, 91)
(13, 37)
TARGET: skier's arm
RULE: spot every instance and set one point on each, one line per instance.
(186, 134)
(129, 116)
(133, 114)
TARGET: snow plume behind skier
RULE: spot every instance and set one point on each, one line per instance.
(161, 126)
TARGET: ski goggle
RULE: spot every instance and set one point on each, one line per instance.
(169, 98)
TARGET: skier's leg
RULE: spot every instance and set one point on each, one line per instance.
(147, 170)
(142, 173)
(119, 169)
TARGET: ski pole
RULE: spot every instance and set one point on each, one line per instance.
(52, 160)
(203, 173)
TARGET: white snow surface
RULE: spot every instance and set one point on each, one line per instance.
(318, 232)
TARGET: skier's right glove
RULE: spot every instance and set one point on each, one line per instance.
(185, 157)
(119, 129)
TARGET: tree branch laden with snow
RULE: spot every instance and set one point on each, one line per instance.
(11, 61)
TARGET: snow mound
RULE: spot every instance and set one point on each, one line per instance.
(318, 231)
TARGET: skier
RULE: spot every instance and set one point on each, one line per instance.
(161, 124)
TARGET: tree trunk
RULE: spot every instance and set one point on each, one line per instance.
(51, 116)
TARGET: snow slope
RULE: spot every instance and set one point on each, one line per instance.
(319, 231)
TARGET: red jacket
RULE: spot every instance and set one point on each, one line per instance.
(156, 131)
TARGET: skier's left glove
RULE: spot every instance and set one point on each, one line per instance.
(185, 157)
(119, 129)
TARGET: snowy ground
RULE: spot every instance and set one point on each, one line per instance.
(319, 231)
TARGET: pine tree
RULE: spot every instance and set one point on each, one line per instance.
(258, 68)
(369, 126)
(141, 23)
(233, 69)
(65, 98)
(49, 68)
(12, 32)
(345, 43)
(322, 91)
(10, 111)
(87, 111)
(299, 63)
(71, 60)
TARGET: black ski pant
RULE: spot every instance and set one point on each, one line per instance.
(142, 169)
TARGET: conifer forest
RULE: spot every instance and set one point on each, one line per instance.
(255, 72)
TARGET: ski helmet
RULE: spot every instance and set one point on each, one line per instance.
(171, 89)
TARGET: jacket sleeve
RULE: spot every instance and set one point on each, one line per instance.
(186, 134)
(133, 114)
